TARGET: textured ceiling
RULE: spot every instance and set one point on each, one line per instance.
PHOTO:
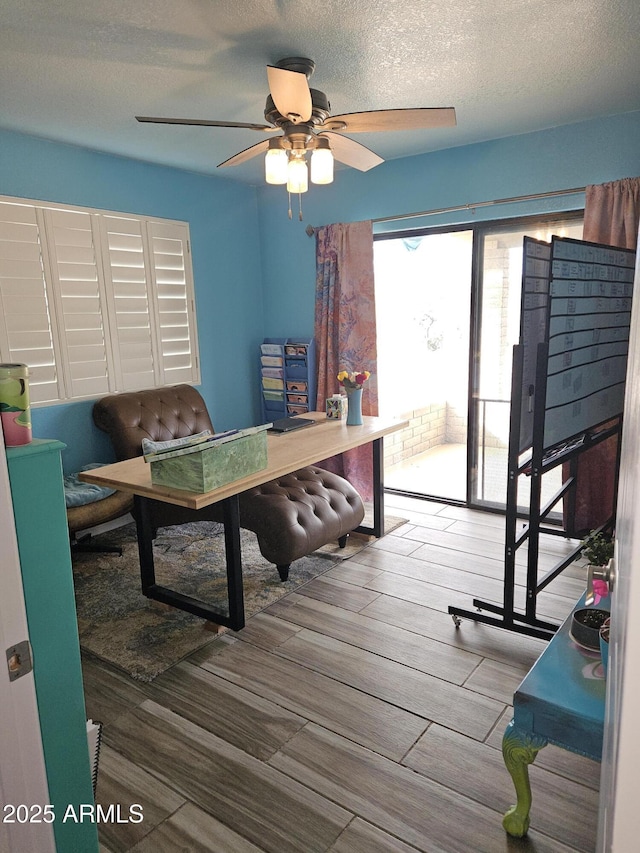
(78, 72)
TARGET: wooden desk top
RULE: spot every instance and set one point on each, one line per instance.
(286, 453)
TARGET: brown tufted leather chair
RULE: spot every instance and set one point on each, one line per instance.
(90, 515)
(291, 516)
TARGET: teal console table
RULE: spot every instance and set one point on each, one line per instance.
(37, 493)
(560, 701)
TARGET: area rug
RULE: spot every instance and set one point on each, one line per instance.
(119, 625)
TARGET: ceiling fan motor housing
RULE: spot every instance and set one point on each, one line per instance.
(298, 63)
(320, 110)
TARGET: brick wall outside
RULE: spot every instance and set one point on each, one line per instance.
(426, 429)
(445, 422)
(429, 427)
(497, 305)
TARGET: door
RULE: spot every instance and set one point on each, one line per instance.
(618, 821)
(448, 315)
(22, 770)
(423, 306)
(499, 296)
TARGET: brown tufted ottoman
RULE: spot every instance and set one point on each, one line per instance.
(299, 513)
(291, 516)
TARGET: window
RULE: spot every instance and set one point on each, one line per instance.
(95, 302)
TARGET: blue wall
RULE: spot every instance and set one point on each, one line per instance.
(254, 268)
(561, 158)
(222, 216)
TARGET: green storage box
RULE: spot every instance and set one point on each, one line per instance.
(208, 467)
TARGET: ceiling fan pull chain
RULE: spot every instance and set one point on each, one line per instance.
(300, 206)
(290, 214)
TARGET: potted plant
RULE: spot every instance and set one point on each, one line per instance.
(604, 643)
(598, 548)
(585, 626)
(587, 621)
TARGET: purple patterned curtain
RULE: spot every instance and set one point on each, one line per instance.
(611, 216)
(345, 330)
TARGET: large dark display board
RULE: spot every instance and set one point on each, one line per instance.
(534, 325)
(589, 318)
(583, 311)
(569, 373)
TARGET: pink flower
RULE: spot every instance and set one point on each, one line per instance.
(353, 380)
(600, 590)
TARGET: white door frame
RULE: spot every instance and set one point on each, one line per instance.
(23, 779)
(618, 817)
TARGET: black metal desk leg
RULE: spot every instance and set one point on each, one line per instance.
(145, 542)
(377, 530)
(234, 561)
(235, 617)
(378, 488)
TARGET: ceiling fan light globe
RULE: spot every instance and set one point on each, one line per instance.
(275, 166)
(297, 176)
(322, 166)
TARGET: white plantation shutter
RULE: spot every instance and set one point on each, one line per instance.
(79, 299)
(127, 268)
(169, 246)
(26, 335)
(95, 302)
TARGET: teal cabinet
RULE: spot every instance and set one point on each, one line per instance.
(35, 473)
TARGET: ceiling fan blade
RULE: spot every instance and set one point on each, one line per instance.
(205, 123)
(375, 121)
(352, 153)
(247, 154)
(290, 92)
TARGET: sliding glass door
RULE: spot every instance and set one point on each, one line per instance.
(448, 313)
(423, 301)
(499, 288)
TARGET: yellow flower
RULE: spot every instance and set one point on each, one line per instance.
(353, 380)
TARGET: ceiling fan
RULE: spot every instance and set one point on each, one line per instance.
(303, 115)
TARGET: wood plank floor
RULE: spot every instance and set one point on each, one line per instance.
(350, 716)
